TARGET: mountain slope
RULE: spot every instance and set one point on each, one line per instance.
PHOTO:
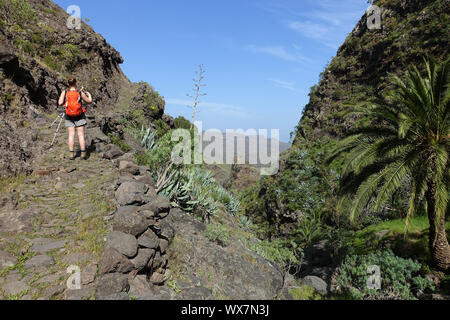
(38, 53)
(360, 71)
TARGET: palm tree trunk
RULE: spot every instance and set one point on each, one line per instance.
(438, 243)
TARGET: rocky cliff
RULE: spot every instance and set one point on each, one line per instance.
(410, 30)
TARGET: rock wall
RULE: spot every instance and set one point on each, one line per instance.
(141, 235)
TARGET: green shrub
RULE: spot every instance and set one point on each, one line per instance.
(7, 98)
(17, 12)
(305, 293)
(182, 123)
(277, 252)
(26, 46)
(217, 233)
(115, 139)
(49, 10)
(400, 278)
(155, 104)
(37, 38)
(52, 63)
(162, 128)
(70, 55)
(309, 229)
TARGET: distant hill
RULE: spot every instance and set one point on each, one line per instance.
(249, 152)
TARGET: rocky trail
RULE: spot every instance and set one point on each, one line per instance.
(104, 216)
(54, 218)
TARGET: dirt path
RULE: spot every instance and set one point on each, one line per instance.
(53, 219)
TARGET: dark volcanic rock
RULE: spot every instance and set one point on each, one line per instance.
(113, 261)
(149, 240)
(131, 193)
(158, 205)
(126, 244)
(143, 257)
(130, 222)
(111, 284)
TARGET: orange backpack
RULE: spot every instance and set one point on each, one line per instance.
(73, 104)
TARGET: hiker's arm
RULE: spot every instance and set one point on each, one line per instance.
(61, 98)
(86, 97)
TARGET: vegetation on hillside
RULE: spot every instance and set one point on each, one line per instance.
(405, 144)
(303, 203)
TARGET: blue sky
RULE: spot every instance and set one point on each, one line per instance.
(261, 57)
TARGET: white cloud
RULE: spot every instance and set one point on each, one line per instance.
(310, 29)
(279, 52)
(216, 108)
(284, 84)
(319, 20)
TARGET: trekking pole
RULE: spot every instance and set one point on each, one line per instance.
(57, 130)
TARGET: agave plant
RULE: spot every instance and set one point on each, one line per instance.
(148, 138)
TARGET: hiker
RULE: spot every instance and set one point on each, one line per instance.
(75, 116)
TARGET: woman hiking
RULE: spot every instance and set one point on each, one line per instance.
(75, 116)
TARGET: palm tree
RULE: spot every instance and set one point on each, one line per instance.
(407, 141)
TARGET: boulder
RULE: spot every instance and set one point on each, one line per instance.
(97, 140)
(143, 257)
(316, 283)
(123, 179)
(131, 193)
(157, 278)
(139, 286)
(128, 221)
(163, 245)
(146, 179)
(149, 240)
(112, 261)
(166, 231)
(127, 167)
(112, 152)
(159, 261)
(159, 205)
(126, 244)
(110, 284)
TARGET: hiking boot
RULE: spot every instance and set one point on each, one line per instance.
(83, 155)
(72, 155)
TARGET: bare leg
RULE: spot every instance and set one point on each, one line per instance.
(81, 139)
(71, 131)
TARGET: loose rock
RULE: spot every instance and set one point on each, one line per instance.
(126, 244)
